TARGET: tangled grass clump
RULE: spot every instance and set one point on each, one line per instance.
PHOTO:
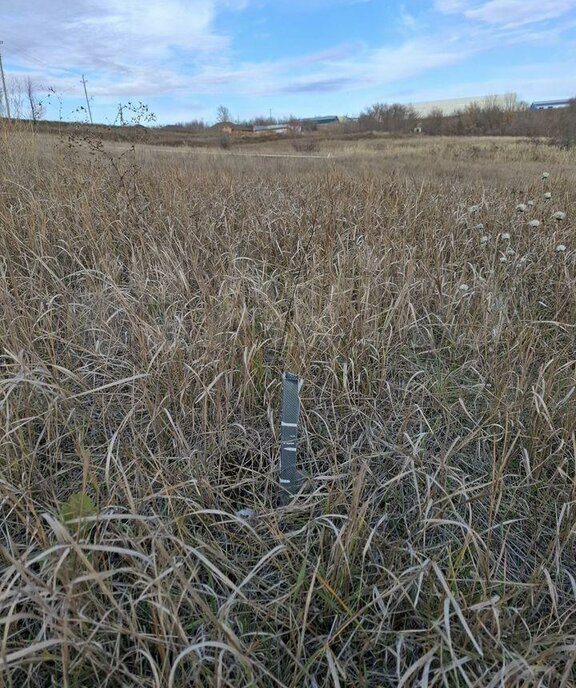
(144, 333)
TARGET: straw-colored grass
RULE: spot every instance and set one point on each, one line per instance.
(143, 303)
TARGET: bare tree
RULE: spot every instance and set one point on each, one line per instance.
(223, 114)
(393, 118)
(434, 122)
(567, 125)
(16, 96)
(35, 105)
(23, 97)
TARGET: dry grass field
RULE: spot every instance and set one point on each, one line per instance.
(149, 304)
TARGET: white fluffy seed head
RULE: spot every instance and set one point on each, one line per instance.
(464, 287)
(545, 175)
(510, 251)
(473, 209)
(479, 226)
(559, 216)
(521, 207)
(505, 236)
(484, 239)
(560, 248)
(503, 259)
(530, 204)
(548, 195)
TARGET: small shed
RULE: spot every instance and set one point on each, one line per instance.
(225, 127)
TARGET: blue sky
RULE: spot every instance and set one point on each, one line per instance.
(303, 57)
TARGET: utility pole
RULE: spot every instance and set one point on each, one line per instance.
(270, 114)
(87, 99)
(4, 85)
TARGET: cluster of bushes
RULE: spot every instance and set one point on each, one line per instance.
(305, 145)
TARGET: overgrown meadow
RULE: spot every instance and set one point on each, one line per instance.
(149, 303)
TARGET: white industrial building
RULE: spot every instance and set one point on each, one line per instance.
(507, 101)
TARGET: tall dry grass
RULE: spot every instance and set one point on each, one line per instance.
(143, 310)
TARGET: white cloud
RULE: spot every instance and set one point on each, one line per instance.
(407, 20)
(516, 12)
(347, 68)
(451, 6)
(141, 49)
(133, 49)
(301, 6)
(507, 12)
(108, 34)
(530, 81)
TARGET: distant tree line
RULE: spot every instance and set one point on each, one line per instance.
(191, 125)
(492, 118)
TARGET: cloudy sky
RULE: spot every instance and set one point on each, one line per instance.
(305, 57)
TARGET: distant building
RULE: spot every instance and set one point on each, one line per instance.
(507, 101)
(270, 128)
(549, 104)
(322, 121)
(225, 127)
(286, 128)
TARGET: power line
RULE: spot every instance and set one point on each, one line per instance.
(25, 56)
